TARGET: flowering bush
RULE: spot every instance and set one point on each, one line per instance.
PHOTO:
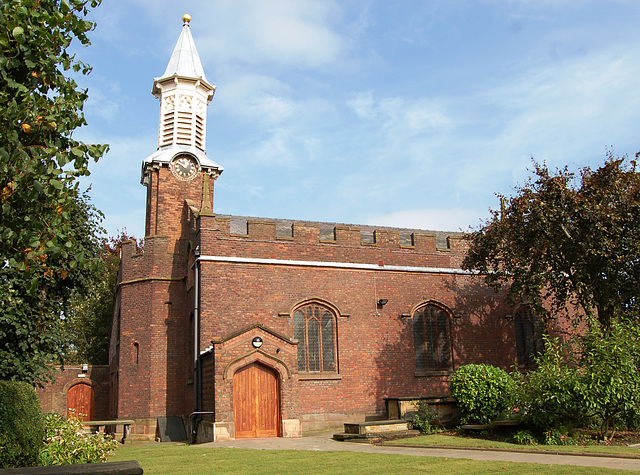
(67, 443)
(561, 437)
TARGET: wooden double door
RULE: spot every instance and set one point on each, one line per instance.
(256, 402)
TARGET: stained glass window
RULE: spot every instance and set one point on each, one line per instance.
(432, 339)
(314, 328)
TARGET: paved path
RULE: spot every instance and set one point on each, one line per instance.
(323, 441)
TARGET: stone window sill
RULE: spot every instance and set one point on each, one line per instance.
(420, 374)
(318, 376)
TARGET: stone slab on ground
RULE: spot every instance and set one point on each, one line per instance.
(130, 467)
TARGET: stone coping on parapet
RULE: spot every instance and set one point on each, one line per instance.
(284, 229)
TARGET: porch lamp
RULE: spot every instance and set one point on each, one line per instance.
(257, 342)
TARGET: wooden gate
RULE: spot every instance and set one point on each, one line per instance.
(80, 401)
(256, 402)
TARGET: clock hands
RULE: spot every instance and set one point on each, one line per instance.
(183, 167)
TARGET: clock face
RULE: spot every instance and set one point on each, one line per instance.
(184, 167)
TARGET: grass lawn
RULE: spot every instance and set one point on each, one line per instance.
(180, 459)
(442, 440)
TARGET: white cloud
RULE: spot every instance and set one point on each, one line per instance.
(287, 32)
(256, 97)
(399, 114)
(104, 102)
(454, 219)
(292, 31)
(561, 112)
(363, 105)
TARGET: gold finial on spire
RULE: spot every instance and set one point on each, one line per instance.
(186, 18)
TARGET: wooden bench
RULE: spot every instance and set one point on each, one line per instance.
(116, 422)
(130, 467)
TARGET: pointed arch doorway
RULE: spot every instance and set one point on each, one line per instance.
(256, 402)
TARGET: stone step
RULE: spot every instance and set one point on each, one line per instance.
(373, 429)
(350, 437)
(378, 427)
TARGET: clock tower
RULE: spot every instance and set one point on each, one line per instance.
(179, 174)
(152, 343)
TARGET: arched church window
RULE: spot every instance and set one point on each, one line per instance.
(432, 339)
(529, 336)
(314, 326)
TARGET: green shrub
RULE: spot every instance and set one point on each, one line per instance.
(524, 437)
(550, 395)
(67, 443)
(610, 375)
(426, 419)
(483, 392)
(592, 381)
(20, 425)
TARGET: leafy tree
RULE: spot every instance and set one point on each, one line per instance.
(89, 313)
(565, 242)
(47, 227)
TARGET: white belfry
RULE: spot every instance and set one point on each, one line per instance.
(184, 93)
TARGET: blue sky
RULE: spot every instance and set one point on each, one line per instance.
(393, 113)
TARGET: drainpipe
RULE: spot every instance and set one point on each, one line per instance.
(196, 331)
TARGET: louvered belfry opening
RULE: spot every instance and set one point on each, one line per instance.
(182, 121)
(200, 131)
(167, 121)
(184, 124)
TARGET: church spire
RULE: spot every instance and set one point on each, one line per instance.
(184, 94)
(185, 60)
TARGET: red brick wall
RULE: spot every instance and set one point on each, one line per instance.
(375, 352)
(375, 345)
(53, 397)
(167, 214)
(375, 348)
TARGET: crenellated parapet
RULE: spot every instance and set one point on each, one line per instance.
(161, 258)
(304, 240)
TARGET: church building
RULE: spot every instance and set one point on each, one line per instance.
(269, 328)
